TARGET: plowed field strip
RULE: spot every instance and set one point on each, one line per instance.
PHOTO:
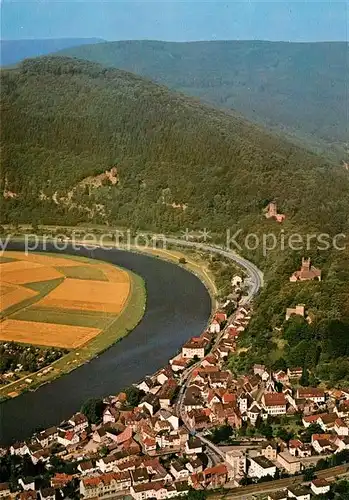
(48, 334)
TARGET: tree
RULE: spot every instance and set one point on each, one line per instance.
(93, 410)
(196, 494)
(133, 395)
(182, 260)
(304, 380)
(309, 474)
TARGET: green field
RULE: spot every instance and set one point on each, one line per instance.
(92, 319)
(83, 273)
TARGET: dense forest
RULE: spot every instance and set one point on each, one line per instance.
(180, 164)
(297, 88)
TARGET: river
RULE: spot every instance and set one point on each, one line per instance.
(178, 307)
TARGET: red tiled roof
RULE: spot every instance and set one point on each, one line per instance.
(217, 469)
(274, 399)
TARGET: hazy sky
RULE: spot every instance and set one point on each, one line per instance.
(299, 20)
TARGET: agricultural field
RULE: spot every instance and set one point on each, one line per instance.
(50, 301)
(59, 286)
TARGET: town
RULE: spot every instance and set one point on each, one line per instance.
(195, 426)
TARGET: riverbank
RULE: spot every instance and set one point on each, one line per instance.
(115, 331)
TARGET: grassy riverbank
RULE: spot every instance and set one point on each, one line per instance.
(114, 330)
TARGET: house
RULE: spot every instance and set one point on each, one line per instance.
(298, 449)
(146, 385)
(47, 494)
(169, 417)
(314, 394)
(278, 495)
(299, 310)
(27, 483)
(306, 273)
(281, 376)
(323, 446)
(110, 415)
(164, 375)
(320, 486)
(253, 413)
(60, 480)
(19, 449)
(139, 475)
(215, 326)
(298, 492)
(4, 490)
(68, 438)
(290, 463)
(327, 421)
(179, 363)
(269, 451)
(342, 443)
(79, 422)
(193, 446)
(340, 427)
(86, 468)
(167, 393)
(294, 373)
(46, 437)
(274, 403)
(155, 489)
(215, 476)
(105, 485)
(261, 467)
(178, 470)
(151, 403)
(193, 399)
(219, 379)
(107, 464)
(195, 347)
(237, 463)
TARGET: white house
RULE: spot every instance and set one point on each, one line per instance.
(312, 393)
(178, 470)
(320, 486)
(261, 467)
(27, 484)
(195, 347)
(274, 403)
(298, 492)
(237, 462)
(215, 327)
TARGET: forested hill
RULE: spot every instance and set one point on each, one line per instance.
(14, 51)
(64, 120)
(172, 163)
(298, 88)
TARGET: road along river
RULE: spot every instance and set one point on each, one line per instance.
(178, 307)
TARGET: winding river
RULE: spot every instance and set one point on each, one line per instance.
(178, 306)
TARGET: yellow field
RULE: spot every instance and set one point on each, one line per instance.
(83, 292)
(43, 260)
(12, 294)
(88, 296)
(48, 334)
(30, 275)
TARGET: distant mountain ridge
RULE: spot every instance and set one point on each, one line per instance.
(14, 51)
(297, 88)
